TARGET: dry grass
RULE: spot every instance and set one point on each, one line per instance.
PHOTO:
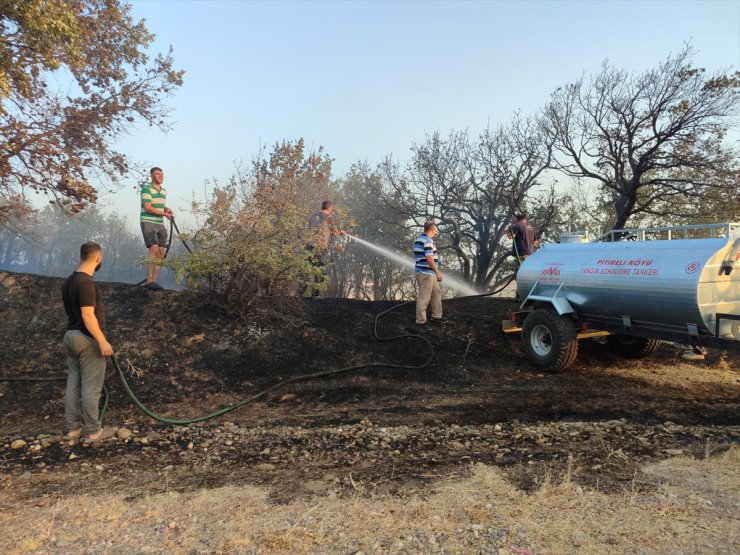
(714, 480)
(694, 510)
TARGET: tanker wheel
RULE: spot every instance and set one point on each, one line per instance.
(550, 341)
(630, 346)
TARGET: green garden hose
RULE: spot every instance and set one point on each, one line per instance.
(169, 244)
(305, 377)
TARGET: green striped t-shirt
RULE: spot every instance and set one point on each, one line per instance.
(158, 199)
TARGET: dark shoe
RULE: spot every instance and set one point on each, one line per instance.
(442, 320)
(154, 286)
(418, 327)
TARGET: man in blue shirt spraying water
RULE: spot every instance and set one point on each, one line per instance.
(428, 276)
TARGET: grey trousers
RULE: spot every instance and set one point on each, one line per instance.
(84, 381)
(428, 289)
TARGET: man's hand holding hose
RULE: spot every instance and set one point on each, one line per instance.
(433, 267)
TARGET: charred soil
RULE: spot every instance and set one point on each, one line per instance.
(479, 401)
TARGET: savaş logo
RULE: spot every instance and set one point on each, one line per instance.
(550, 271)
(692, 268)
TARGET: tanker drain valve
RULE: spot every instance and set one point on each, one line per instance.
(727, 266)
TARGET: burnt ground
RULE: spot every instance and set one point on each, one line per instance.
(479, 400)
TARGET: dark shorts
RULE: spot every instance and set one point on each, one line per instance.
(154, 234)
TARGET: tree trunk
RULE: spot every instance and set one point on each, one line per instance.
(377, 288)
(484, 261)
(623, 207)
(462, 255)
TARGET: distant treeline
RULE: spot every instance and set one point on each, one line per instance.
(48, 244)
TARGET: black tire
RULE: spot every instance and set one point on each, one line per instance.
(550, 341)
(630, 346)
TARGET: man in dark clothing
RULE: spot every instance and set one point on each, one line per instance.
(86, 348)
(322, 225)
(524, 236)
(322, 222)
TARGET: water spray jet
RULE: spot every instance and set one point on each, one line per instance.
(452, 282)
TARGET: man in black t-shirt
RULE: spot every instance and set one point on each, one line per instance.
(86, 348)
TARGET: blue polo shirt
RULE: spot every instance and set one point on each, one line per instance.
(423, 247)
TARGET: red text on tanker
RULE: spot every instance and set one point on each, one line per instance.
(617, 262)
(621, 271)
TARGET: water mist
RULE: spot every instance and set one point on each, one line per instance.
(407, 261)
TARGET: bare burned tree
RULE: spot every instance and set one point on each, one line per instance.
(513, 159)
(362, 273)
(473, 189)
(650, 141)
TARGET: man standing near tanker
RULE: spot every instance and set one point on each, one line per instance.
(153, 212)
(524, 236)
(428, 276)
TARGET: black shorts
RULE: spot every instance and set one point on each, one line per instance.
(154, 234)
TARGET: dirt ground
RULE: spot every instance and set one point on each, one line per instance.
(477, 453)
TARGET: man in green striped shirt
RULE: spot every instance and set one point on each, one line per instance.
(153, 212)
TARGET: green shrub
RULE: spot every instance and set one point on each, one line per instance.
(252, 243)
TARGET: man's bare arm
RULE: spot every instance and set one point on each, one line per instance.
(433, 266)
(157, 212)
(92, 325)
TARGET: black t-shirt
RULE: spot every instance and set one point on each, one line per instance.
(80, 290)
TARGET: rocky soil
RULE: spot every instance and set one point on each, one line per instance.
(375, 433)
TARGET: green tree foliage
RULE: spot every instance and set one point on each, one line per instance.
(295, 174)
(37, 36)
(253, 237)
(59, 141)
(653, 143)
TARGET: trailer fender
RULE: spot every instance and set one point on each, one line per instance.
(558, 302)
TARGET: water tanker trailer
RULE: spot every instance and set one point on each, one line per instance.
(634, 287)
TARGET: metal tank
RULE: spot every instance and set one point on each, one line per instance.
(574, 237)
(661, 280)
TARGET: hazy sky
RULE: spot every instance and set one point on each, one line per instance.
(365, 79)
